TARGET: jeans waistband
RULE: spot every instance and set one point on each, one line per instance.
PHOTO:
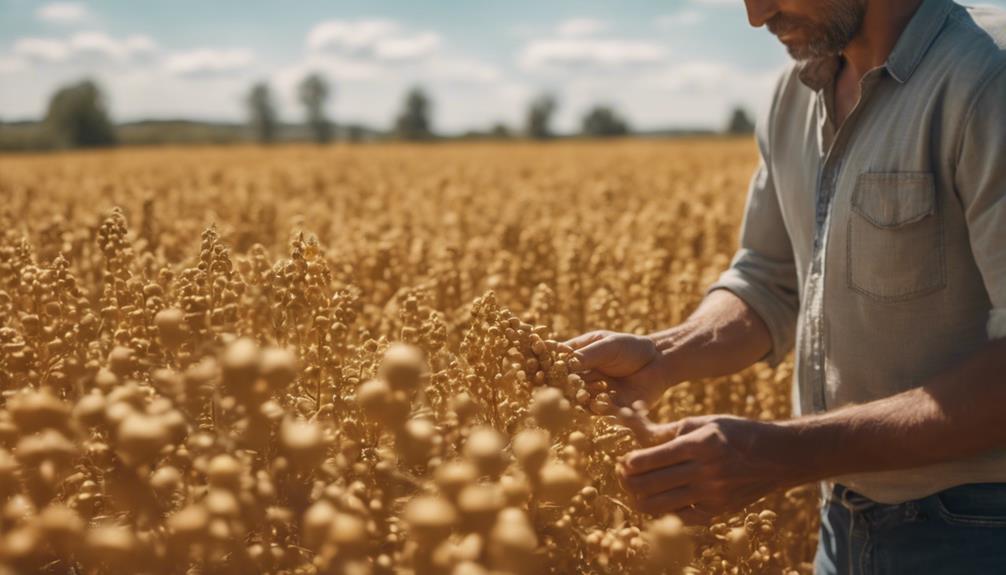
(851, 500)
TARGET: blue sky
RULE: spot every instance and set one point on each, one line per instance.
(662, 63)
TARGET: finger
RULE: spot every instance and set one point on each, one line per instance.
(622, 395)
(648, 433)
(695, 516)
(592, 376)
(677, 450)
(660, 480)
(583, 339)
(596, 354)
(670, 501)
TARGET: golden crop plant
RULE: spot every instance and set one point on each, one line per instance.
(347, 359)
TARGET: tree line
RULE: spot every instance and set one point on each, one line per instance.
(77, 116)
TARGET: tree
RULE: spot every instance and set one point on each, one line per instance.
(77, 117)
(414, 121)
(740, 122)
(500, 131)
(313, 92)
(539, 116)
(604, 122)
(262, 114)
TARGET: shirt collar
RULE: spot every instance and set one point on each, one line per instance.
(908, 51)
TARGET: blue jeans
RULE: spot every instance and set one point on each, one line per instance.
(959, 530)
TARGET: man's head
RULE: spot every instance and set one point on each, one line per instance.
(809, 28)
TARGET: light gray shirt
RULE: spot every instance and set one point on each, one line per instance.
(878, 248)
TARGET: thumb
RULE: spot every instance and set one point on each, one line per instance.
(597, 355)
(647, 432)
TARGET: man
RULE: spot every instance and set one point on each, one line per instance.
(875, 238)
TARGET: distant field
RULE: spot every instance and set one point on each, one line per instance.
(137, 434)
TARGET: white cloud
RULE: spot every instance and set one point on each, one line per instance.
(717, 2)
(100, 44)
(580, 27)
(463, 69)
(62, 12)
(372, 39)
(696, 76)
(580, 52)
(209, 61)
(10, 64)
(41, 49)
(681, 18)
(84, 45)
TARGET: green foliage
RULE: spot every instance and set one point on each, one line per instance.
(77, 118)
(604, 122)
(740, 122)
(539, 117)
(262, 114)
(313, 92)
(414, 121)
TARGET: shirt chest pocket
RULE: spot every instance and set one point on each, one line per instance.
(895, 238)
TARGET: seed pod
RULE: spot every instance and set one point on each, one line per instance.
(224, 471)
(671, 547)
(316, 524)
(464, 406)
(559, 482)
(550, 409)
(111, 544)
(188, 524)
(349, 533)
(165, 481)
(60, 525)
(453, 476)
(479, 504)
(8, 475)
(417, 440)
(240, 367)
(484, 448)
(469, 568)
(737, 543)
(402, 367)
(512, 543)
(373, 398)
(171, 327)
(531, 448)
(430, 519)
(37, 410)
(121, 361)
(279, 367)
(516, 489)
(140, 438)
(90, 410)
(49, 445)
(303, 442)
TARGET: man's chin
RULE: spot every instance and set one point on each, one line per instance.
(804, 52)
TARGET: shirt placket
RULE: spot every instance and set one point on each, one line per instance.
(832, 157)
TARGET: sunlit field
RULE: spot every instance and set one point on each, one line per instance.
(347, 359)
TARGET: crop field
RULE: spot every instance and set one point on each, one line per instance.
(348, 360)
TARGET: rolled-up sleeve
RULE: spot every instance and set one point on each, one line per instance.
(981, 185)
(763, 272)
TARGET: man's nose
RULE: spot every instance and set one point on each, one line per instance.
(761, 11)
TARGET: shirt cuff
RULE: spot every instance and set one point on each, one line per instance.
(778, 316)
(997, 324)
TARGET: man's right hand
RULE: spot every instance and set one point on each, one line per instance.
(631, 364)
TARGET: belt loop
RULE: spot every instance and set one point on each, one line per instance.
(845, 499)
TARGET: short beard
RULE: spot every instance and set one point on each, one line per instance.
(841, 22)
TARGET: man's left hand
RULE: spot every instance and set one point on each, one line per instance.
(702, 467)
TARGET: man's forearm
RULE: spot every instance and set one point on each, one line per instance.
(954, 415)
(723, 336)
